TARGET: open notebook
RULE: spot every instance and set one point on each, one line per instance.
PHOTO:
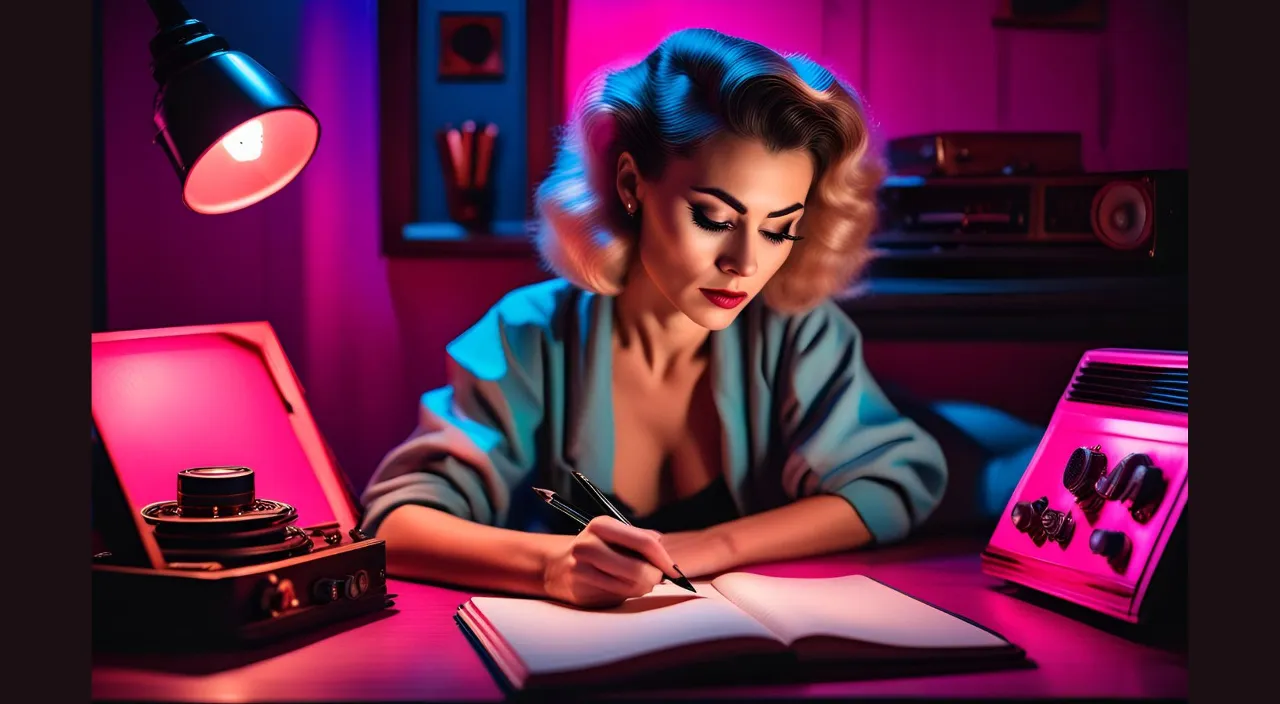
(850, 626)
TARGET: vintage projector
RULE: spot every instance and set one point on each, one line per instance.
(1099, 517)
(220, 517)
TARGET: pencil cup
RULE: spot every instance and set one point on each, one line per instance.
(471, 207)
(466, 161)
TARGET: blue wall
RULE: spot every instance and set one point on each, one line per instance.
(487, 100)
(267, 31)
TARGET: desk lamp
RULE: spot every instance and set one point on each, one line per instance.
(233, 132)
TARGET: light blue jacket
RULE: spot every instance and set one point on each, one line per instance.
(530, 399)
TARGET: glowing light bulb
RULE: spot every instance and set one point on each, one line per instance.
(244, 143)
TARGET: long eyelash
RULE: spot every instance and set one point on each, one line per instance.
(701, 220)
(779, 237)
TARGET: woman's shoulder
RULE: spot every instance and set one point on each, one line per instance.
(525, 317)
(516, 331)
(536, 304)
(547, 308)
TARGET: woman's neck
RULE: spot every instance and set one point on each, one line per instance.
(646, 322)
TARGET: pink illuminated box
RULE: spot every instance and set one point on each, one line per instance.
(221, 514)
(1093, 518)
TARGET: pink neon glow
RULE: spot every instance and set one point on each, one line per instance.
(166, 400)
(940, 65)
(253, 161)
(794, 26)
(1075, 573)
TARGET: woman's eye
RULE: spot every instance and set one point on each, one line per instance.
(780, 237)
(701, 220)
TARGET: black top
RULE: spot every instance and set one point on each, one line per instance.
(710, 506)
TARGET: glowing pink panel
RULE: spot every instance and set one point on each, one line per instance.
(252, 161)
(166, 400)
(635, 27)
(1075, 572)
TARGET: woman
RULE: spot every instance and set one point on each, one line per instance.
(703, 206)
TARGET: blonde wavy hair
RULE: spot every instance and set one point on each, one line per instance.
(695, 84)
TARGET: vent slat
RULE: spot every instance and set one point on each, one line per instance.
(1133, 386)
(1135, 372)
(1131, 392)
(1152, 383)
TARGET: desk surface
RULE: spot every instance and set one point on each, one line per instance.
(417, 652)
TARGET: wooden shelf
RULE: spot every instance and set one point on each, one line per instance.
(447, 240)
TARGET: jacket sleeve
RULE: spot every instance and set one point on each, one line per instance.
(476, 438)
(843, 436)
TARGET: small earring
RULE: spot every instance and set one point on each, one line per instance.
(631, 208)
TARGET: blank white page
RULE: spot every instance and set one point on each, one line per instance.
(854, 607)
(552, 637)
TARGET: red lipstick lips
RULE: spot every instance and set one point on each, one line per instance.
(723, 298)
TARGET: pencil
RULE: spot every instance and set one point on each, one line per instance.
(454, 140)
(484, 153)
(557, 503)
(554, 501)
(468, 151)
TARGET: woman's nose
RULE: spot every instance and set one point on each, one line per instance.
(739, 259)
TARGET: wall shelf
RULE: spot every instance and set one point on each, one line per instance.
(449, 240)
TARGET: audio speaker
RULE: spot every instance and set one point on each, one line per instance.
(1119, 222)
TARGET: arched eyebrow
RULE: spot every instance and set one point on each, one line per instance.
(737, 204)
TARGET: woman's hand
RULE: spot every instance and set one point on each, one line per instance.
(606, 564)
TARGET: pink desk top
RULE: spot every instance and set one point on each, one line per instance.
(416, 651)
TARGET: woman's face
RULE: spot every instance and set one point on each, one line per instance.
(716, 227)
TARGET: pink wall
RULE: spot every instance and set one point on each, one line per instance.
(932, 65)
(794, 25)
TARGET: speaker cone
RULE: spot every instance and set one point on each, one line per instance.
(1123, 215)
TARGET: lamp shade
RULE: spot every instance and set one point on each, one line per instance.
(234, 133)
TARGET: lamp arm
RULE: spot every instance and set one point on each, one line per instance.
(180, 39)
(168, 12)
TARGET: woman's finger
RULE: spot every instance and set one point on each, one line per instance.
(638, 540)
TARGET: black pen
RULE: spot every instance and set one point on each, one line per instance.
(559, 504)
(608, 506)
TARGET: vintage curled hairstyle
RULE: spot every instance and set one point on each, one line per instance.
(698, 83)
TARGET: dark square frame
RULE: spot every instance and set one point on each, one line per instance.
(453, 67)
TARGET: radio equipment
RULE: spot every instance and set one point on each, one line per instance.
(1091, 224)
(220, 516)
(986, 154)
(1098, 518)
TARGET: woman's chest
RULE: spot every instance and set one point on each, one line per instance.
(667, 438)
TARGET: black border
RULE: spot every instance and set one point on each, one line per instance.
(48, 310)
(98, 160)
(1232, 272)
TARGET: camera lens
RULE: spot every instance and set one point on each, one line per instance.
(215, 491)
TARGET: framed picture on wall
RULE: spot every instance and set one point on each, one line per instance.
(471, 45)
